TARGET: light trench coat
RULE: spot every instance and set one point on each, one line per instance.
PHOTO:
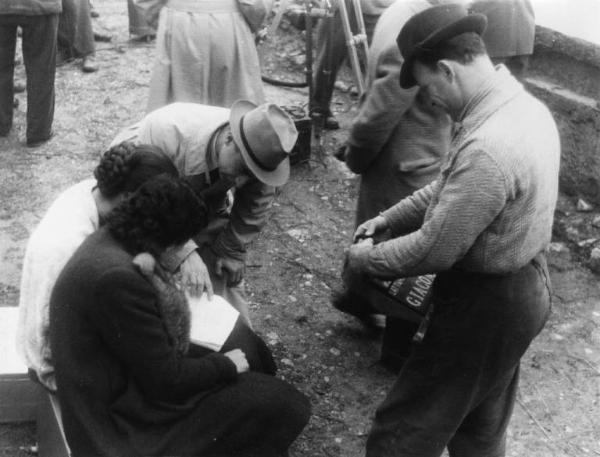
(205, 53)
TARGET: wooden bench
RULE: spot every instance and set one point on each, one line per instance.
(51, 435)
(18, 394)
(22, 400)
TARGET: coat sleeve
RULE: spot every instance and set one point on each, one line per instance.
(407, 215)
(248, 216)
(126, 314)
(379, 113)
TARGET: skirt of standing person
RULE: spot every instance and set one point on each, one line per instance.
(205, 54)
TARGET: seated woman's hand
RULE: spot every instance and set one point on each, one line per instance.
(195, 277)
(238, 357)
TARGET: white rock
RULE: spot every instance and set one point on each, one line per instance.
(595, 260)
(558, 247)
(587, 243)
(583, 206)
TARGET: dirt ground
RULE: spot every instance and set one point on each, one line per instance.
(295, 262)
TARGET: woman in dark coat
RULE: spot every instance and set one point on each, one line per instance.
(129, 385)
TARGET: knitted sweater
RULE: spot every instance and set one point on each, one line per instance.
(491, 208)
(69, 220)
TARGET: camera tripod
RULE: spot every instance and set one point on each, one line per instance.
(330, 12)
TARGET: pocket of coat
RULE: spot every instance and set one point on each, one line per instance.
(420, 167)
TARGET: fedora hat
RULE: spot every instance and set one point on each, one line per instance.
(265, 136)
(429, 28)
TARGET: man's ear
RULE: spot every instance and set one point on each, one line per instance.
(447, 69)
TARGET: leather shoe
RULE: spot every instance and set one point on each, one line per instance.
(37, 143)
(143, 38)
(88, 64)
(331, 123)
(101, 37)
(349, 303)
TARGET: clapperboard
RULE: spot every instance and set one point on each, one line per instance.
(405, 298)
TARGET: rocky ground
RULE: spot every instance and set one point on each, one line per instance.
(295, 262)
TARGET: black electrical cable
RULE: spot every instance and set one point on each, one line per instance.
(276, 82)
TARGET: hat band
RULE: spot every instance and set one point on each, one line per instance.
(249, 149)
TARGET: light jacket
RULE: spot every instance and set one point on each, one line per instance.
(183, 132)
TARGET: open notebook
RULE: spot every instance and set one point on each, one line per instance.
(212, 321)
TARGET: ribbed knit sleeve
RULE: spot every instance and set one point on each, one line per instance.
(470, 196)
(408, 214)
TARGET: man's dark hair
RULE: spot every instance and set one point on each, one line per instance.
(163, 212)
(125, 167)
(462, 48)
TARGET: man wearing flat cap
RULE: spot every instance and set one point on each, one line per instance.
(483, 226)
(244, 149)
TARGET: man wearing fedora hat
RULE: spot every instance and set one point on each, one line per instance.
(483, 226)
(244, 149)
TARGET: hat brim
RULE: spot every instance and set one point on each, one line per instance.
(275, 178)
(471, 23)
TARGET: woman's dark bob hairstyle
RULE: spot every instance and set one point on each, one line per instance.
(163, 212)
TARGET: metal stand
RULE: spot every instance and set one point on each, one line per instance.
(354, 41)
(325, 10)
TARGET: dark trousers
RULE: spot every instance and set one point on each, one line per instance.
(39, 55)
(458, 387)
(327, 65)
(75, 33)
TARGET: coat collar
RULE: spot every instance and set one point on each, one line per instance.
(489, 98)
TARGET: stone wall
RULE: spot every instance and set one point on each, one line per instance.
(565, 73)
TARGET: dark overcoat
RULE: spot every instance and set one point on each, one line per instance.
(398, 138)
(511, 26)
(124, 389)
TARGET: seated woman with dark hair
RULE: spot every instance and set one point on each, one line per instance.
(128, 384)
(74, 215)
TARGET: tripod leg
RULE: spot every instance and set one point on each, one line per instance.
(362, 31)
(352, 54)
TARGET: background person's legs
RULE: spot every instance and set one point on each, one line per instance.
(331, 52)
(75, 32)
(8, 42)
(39, 55)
